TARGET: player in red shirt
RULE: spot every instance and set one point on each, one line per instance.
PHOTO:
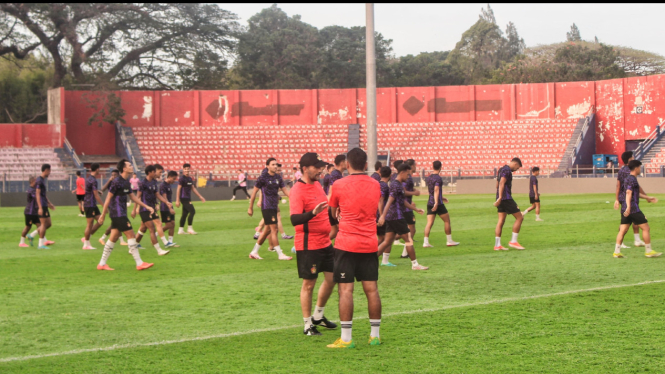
(356, 197)
(80, 192)
(314, 251)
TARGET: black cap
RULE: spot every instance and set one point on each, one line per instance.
(517, 160)
(312, 159)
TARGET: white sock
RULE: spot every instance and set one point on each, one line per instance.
(318, 312)
(497, 241)
(279, 251)
(181, 229)
(449, 238)
(514, 240)
(133, 249)
(637, 237)
(45, 240)
(647, 248)
(108, 248)
(537, 216)
(122, 240)
(22, 240)
(87, 243)
(171, 239)
(414, 262)
(346, 330)
(374, 324)
(157, 247)
(34, 234)
(164, 240)
(103, 237)
(404, 252)
(426, 240)
(617, 248)
(386, 256)
(190, 228)
(256, 249)
(308, 322)
(41, 242)
(525, 212)
(140, 233)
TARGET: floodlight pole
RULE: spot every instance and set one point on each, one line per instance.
(371, 86)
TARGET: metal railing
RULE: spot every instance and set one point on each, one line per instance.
(650, 140)
(580, 139)
(126, 147)
(69, 149)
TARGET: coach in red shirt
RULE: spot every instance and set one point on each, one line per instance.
(356, 197)
(314, 250)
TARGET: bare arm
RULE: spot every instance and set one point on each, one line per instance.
(198, 194)
(535, 190)
(412, 193)
(412, 207)
(140, 203)
(250, 210)
(105, 209)
(177, 196)
(136, 206)
(390, 202)
(161, 198)
(382, 203)
(502, 184)
(629, 194)
(436, 196)
(98, 196)
(286, 191)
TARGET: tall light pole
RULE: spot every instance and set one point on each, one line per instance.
(371, 85)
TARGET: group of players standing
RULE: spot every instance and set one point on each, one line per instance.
(120, 195)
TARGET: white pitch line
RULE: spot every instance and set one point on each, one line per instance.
(248, 332)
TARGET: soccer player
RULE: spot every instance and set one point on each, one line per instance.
(393, 217)
(30, 213)
(356, 197)
(326, 178)
(102, 240)
(336, 174)
(148, 192)
(167, 211)
(435, 207)
(184, 194)
(385, 192)
(620, 194)
(242, 184)
(43, 205)
(314, 251)
(377, 171)
(506, 205)
(90, 200)
(80, 192)
(534, 194)
(116, 204)
(631, 213)
(410, 192)
(269, 183)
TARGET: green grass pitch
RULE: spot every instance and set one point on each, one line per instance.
(563, 305)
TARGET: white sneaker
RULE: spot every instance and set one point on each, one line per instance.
(419, 267)
(285, 257)
(81, 215)
(192, 232)
(427, 245)
(623, 246)
(182, 232)
(639, 244)
(539, 219)
(233, 198)
(452, 244)
(163, 252)
(255, 256)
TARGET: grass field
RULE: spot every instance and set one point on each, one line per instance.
(562, 306)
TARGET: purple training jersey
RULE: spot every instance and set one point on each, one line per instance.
(40, 184)
(120, 188)
(533, 182)
(91, 184)
(326, 183)
(376, 177)
(31, 207)
(409, 186)
(186, 184)
(434, 180)
(335, 175)
(508, 174)
(165, 190)
(385, 193)
(269, 185)
(148, 193)
(396, 210)
(630, 183)
(624, 172)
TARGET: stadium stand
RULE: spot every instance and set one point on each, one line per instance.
(18, 163)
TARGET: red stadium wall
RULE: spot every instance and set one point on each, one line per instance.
(627, 109)
(19, 135)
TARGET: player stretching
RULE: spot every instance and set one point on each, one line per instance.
(435, 207)
(631, 213)
(43, 205)
(626, 157)
(314, 251)
(90, 200)
(356, 197)
(336, 174)
(269, 183)
(167, 211)
(385, 192)
(184, 194)
(534, 193)
(148, 193)
(506, 205)
(80, 192)
(116, 203)
(30, 213)
(102, 240)
(377, 171)
(393, 217)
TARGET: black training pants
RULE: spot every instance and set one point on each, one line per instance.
(240, 188)
(187, 209)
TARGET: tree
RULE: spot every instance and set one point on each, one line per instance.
(23, 89)
(514, 44)
(487, 14)
(277, 51)
(425, 69)
(480, 51)
(132, 45)
(574, 34)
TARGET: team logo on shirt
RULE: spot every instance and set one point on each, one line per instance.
(129, 224)
(126, 191)
(342, 275)
(273, 219)
(313, 269)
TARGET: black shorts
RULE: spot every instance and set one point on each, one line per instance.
(533, 200)
(92, 212)
(381, 230)
(167, 216)
(269, 216)
(634, 218)
(333, 221)
(313, 262)
(398, 226)
(350, 265)
(441, 209)
(46, 213)
(31, 219)
(508, 206)
(409, 218)
(80, 197)
(147, 217)
(121, 223)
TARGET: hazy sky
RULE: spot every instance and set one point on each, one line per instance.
(416, 28)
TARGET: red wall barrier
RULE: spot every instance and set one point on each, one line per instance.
(18, 135)
(628, 109)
